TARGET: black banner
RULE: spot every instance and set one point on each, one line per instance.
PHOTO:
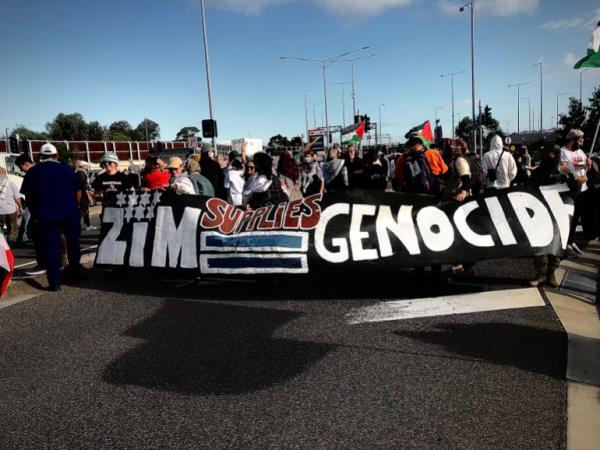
(341, 231)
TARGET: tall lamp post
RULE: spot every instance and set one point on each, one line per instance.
(314, 114)
(560, 94)
(528, 109)
(471, 6)
(437, 108)
(451, 75)
(541, 64)
(306, 91)
(581, 85)
(379, 124)
(351, 61)
(207, 64)
(324, 64)
(518, 85)
(343, 100)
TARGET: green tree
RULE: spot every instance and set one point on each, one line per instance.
(64, 154)
(279, 141)
(575, 118)
(151, 126)
(589, 127)
(296, 141)
(186, 132)
(68, 127)
(117, 136)
(30, 135)
(122, 128)
(489, 126)
(96, 131)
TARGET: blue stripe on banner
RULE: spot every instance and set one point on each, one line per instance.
(271, 240)
(234, 262)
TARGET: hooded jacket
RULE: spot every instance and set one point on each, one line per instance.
(502, 162)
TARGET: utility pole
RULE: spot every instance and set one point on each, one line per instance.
(207, 63)
(541, 97)
(451, 75)
(518, 85)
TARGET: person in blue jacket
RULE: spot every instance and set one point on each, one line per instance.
(52, 191)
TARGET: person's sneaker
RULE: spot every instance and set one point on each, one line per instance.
(570, 252)
(552, 281)
(576, 249)
(37, 270)
(537, 281)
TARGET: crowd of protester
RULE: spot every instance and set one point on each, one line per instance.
(448, 171)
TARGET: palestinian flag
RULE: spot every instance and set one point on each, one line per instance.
(423, 131)
(7, 265)
(354, 134)
(593, 54)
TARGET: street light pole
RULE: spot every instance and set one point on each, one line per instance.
(528, 109)
(541, 96)
(351, 61)
(580, 85)
(306, 91)
(343, 100)
(518, 85)
(560, 94)
(451, 75)
(315, 115)
(207, 63)
(324, 63)
(471, 6)
(379, 124)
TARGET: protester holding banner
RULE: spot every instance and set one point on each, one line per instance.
(574, 162)
(547, 173)
(289, 175)
(335, 172)
(419, 170)
(81, 169)
(214, 173)
(179, 182)
(375, 175)
(457, 183)
(111, 180)
(154, 175)
(234, 179)
(499, 166)
(312, 178)
(263, 188)
(355, 167)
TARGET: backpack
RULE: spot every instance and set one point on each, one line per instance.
(418, 177)
(477, 173)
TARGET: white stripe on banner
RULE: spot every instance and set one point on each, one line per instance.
(258, 241)
(448, 305)
(253, 263)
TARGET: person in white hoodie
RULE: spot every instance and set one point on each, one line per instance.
(498, 165)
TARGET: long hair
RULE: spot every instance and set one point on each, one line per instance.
(263, 164)
(287, 166)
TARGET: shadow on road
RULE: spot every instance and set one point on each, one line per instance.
(532, 349)
(212, 349)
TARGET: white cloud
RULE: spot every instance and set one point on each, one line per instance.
(570, 59)
(361, 8)
(589, 21)
(244, 6)
(343, 8)
(498, 8)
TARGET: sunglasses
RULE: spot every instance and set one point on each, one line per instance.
(250, 167)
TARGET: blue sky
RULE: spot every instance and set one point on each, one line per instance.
(130, 59)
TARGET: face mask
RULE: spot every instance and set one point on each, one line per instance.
(307, 159)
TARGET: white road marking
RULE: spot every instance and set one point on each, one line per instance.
(17, 299)
(29, 263)
(447, 305)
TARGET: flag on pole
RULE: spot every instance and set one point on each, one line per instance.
(423, 131)
(592, 59)
(354, 135)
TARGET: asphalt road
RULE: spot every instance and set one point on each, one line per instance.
(131, 360)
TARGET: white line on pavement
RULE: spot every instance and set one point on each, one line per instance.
(29, 263)
(447, 305)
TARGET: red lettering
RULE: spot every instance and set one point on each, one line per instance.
(265, 223)
(247, 216)
(292, 214)
(311, 219)
(231, 217)
(258, 214)
(279, 215)
(213, 217)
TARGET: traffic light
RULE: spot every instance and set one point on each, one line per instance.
(368, 125)
(209, 128)
(487, 114)
(14, 145)
(358, 119)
